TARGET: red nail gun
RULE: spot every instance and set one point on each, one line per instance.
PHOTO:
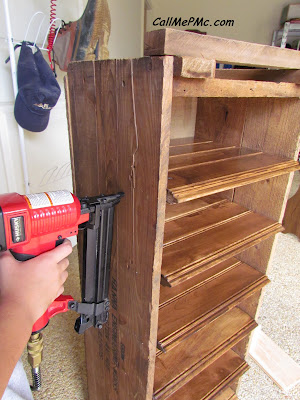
(35, 223)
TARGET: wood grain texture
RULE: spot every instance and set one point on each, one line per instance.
(175, 368)
(271, 126)
(225, 394)
(174, 211)
(176, 42)
(184, 315)
(214, 378)
(221, 120)
(190, 87)
(183, 119)
(127, 152)
(200, 221)
(186, 258)
(182, 141)
(211, 157)
(170, 294)
(192, 67)
(194, 181)
(202, 147)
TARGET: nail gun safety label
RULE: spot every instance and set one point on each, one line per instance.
(48, 199)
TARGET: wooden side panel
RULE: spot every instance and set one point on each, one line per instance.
(183, 117)
(221, 120)
(127, 151)
(271, 126)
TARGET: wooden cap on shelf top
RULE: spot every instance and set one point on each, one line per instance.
(181, 43)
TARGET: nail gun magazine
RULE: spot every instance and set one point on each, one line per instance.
(35, 223)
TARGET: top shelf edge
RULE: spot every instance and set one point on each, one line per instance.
(229, 51)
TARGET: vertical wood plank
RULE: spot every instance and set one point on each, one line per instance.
(81, 107)
(183, 117)
(271, 126)
(132, 104)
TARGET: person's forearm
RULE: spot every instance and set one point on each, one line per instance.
(15, 330)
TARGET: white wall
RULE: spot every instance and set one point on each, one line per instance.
(48, 154)
(126, 39)
(254, 20)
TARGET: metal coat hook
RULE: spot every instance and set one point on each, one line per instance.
(30, 22)
(39, 29)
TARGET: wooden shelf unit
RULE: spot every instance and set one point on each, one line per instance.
(186, 276)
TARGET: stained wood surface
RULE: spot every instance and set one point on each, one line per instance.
(186, 140)
(127, 152)
(200, 221)
(185, 87)
(199, 247)
(212, 379)
(199, 147)
(201, 179)
(221, 120)
(175, 368)
(212, 157)
(291, 221)
(169, 294)
(179, 43)
(194, 307)
(225, 394)
(264, 124)
(174, 211)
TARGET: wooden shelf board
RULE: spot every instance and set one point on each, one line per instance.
(225, 394)
(196, 67)
(185, 87)
(195, 147)
(201, 221)
(193, 159)
(169, 294)
(194, 181)
(179, 43)
(199, 251)
(174, 211)
(207, 385)
(187, 140)
(175, 368)
(191, 309)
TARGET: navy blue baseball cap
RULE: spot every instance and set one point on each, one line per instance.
(38, 90)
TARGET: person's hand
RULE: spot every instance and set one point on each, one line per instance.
(33, 285)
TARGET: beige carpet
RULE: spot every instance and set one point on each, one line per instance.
(63, 368)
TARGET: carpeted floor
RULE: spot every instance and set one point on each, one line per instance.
(279, 318)
(63, 368)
